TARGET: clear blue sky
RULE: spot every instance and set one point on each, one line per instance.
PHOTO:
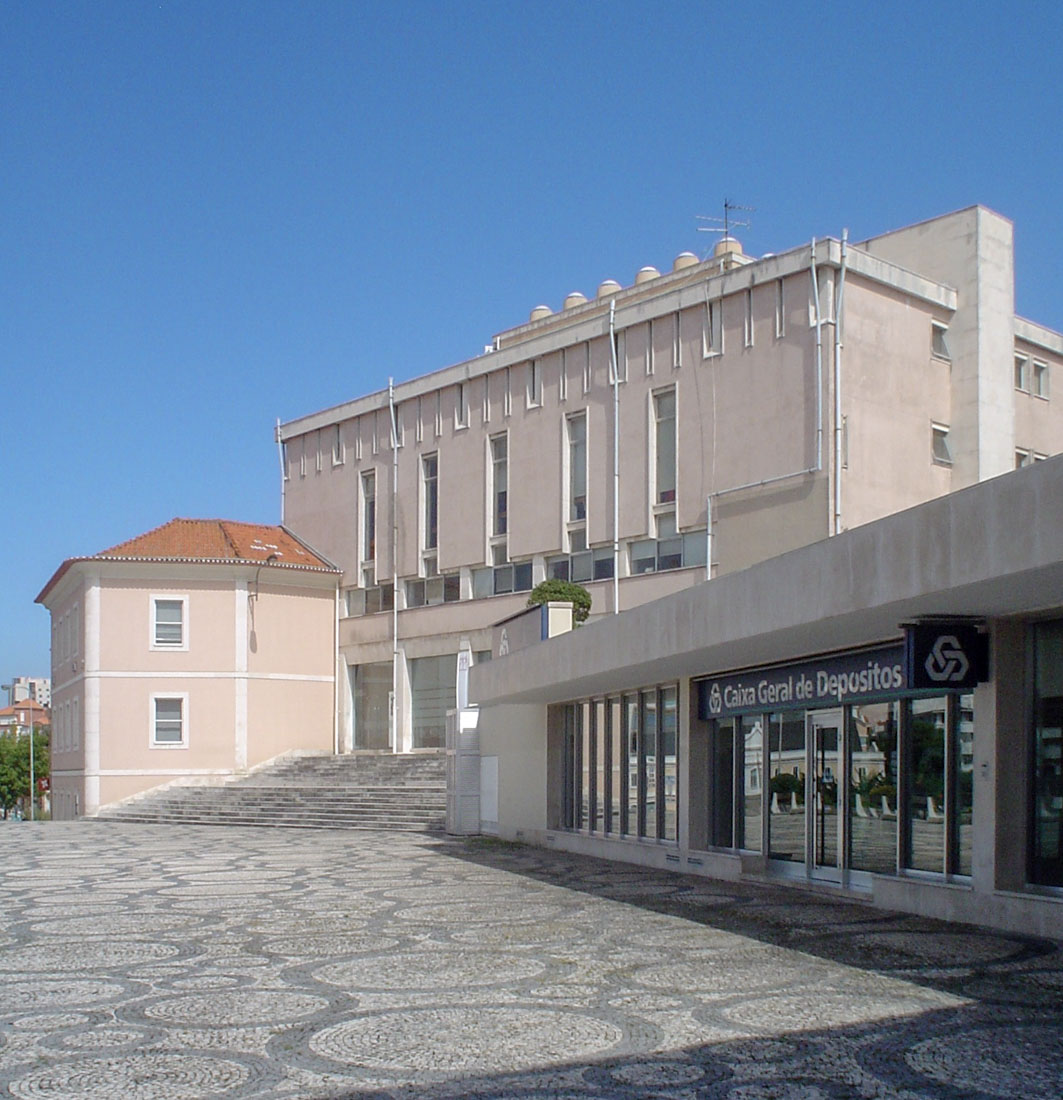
(218, 214)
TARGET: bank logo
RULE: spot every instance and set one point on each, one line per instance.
(947, 663)
(715, 699)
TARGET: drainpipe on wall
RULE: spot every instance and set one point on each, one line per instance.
(839, 300)
(336, 673)
(394, 715)
(616, 458)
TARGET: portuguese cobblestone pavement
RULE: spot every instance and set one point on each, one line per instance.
(153, 963)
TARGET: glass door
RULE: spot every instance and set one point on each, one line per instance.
(824, 822)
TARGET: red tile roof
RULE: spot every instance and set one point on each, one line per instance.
(216, 541)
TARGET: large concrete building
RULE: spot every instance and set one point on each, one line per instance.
(686, 426)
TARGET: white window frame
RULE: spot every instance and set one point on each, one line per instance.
(1023, 458)
(942, 430)
(712, 329)
(487, 399)
(535, 383)
(749, 317)
(317, 453)
(677, 342)
(155, 697)
(651, 364)
(1022, 372)
(461, 405)
(587, 374)
(507, 395)
(562, 378)
(339, 450)
(1039, 380)
(939, 328)
(285, 460)
(620, 337)
(780, 309)
(167, 597)
(302, 458)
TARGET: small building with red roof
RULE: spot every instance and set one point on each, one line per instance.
(191, 652)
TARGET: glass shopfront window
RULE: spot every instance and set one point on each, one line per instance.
(752, 745)
(1046, 764)
(621, 764)
(925, 816)
(874, 732)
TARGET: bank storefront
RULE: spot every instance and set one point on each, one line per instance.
(834, 769)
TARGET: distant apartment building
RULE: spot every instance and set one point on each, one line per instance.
(191, 652)
(689, 425)
(37, 689)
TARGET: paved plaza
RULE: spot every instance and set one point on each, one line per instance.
(159, 963)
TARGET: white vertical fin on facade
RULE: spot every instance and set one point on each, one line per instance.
(92, 694)
(240, 644)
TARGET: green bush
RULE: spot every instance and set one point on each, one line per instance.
(566, 592)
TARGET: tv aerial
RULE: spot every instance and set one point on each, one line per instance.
(724, 225)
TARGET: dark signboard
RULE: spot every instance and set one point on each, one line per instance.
(947, 655)
(827, 681)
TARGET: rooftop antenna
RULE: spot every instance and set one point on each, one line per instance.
(724, 225)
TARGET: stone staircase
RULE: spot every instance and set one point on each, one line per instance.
(360, 791)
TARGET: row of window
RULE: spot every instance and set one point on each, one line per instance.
(66, 635)
(575, 361)
(1031, 376)
(66, 726)
(620, 765)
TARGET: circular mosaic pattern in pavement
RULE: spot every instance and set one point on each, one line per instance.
(236, 1009)
(327, 946)
(905, 949)
(465, 1040)
(114, 924)
(474, 911)
(51, 1021)
(102, 1038)
(799, 1012)
(48, 993)
(92, 955)
(437, 969)
(990, 1060)
(726, 972)
(144, 1076)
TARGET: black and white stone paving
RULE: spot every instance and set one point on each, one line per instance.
(151, 962)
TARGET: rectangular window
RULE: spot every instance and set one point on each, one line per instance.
(1022, 373)
(439, 413)
(169, 618)
(664, 446)
(369, 516)
(499, 485)
(562, 378)
(586, 367)
(1046, 771)
(302, 456)
(168, 721)
(650, 363)
(418, 429)
(780, 310)
(1040, 379)
(535, 382)
(397, 433)
(712, 329)
(749, 317)
(618, 365)
(317, 453)
(577, 467)
(430, 478)
(461, 407)
(507, 394)
(677, 343)
(940, 450)
(487, 398)
(1022, 458)
(939, 344)
(337, 446)
(284, 460)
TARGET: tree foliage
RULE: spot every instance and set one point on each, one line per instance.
(565, 592)
(15, 765)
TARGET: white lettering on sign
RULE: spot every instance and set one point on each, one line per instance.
(875, 677)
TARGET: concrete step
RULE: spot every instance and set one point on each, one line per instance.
(360, 791)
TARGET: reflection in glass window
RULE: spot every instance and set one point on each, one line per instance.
(721, 811)
(1046, 848)
(669, 751)
(752, 734)
(926, 785)
(873, 730)
(648, 766)
(786, 763)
